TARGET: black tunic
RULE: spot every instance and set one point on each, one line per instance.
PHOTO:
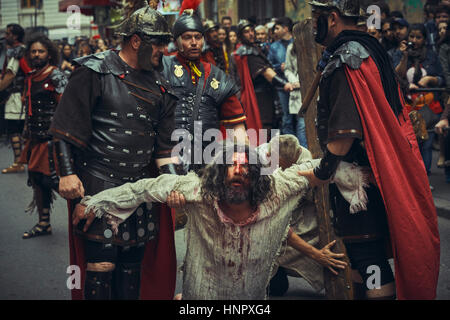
(338, 118)
(264, 92)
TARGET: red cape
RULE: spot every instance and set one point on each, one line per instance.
(400, 174)
(248, 97)
(158, 275)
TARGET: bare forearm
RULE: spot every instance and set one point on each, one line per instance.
(269, 74)
(302, 246)
(127, 197)
(6, 81)
(401, 68)
(239, 132)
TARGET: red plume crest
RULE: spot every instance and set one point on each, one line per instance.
(190, 4)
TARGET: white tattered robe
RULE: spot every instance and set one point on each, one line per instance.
(223, 260)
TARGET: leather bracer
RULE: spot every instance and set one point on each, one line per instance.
(65, 159)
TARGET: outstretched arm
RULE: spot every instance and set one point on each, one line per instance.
(122, 201)
(324, 256)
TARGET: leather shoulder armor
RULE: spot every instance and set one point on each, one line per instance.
(219, 85)
(59, 80)
(351, 53)
(101, 62)
(245, 50)
(16, 52)
(167, 62)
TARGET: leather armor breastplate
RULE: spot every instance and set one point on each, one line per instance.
(43, 106)
(217, 88)
(124, 123)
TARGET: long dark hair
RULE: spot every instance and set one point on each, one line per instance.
(71, 56)
(213, 176)
(48, 44)
(446, 37)
(419, 55)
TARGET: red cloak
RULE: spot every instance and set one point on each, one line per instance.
(158, 275)
(398, 168)
(248, 96)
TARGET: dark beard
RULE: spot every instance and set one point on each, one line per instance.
(145, 52)
(322, 29)
(235, 195)
(37, 63)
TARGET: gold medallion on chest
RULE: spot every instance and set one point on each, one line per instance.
(178, 71)
(215, 84)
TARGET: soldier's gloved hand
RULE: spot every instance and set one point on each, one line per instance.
(313, 180)
(70, 187)
(78, 215)
(176, 200)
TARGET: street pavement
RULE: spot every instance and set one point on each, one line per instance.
(36, 269)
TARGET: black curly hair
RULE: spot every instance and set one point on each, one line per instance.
(48, 44)
(213, 176)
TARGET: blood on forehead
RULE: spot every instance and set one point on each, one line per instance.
(240, 158)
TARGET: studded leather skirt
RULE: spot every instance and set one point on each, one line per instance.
(139, 228)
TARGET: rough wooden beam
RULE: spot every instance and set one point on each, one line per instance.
(308, 55)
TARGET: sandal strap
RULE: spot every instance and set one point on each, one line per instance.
(37, 230)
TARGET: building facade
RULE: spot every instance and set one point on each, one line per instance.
(44, 14)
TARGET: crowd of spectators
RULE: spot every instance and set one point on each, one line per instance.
(419, 52)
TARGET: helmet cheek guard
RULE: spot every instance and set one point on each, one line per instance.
(322, 29)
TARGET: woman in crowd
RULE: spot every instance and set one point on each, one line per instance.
(67, 57)
(420, 67)
(442, 33)
(232, 37)
(222, 34)
(100, 45)
(388, 38)
(84, 49)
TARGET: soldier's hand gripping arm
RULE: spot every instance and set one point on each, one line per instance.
(70, 186)
(333, 155)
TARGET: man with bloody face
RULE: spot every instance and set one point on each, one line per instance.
(115, 118)
(237, 220)
(362, 120)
